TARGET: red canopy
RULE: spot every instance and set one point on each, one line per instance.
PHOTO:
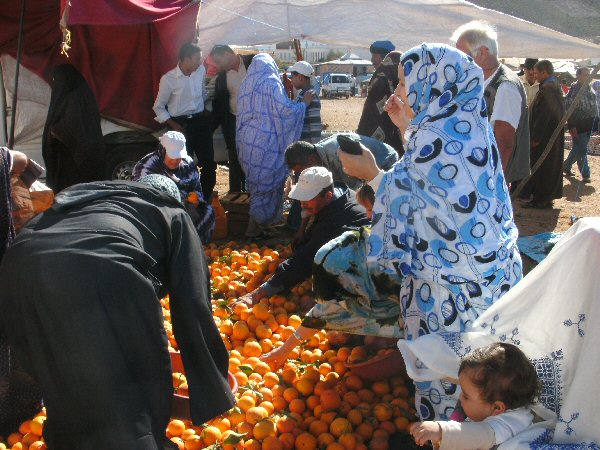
(122, 47)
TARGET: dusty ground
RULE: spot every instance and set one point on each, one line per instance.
(579, 199)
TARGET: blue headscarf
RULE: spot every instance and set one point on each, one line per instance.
(267, 122)
(443, 212)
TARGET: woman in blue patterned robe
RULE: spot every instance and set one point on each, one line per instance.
(267, 122)
(442, 215)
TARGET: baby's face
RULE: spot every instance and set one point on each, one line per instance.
(475, 407)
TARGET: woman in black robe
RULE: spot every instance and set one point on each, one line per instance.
(72, 143)
(374, 121)
(81, 308)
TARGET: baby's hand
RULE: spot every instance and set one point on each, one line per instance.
(426, 431)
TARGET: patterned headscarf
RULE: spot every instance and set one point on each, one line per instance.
(162, 183)
(443, 212)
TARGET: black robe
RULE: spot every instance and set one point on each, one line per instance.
(546, 111)
(80, 303)
(72, 143)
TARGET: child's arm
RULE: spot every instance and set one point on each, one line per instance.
(424, 432)
(451, 435)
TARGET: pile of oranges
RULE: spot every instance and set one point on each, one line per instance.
(312, 402)
(29, 435)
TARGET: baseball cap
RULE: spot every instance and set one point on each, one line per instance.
(382, 47)
(311, 181)
(174, 144)
(303, 68)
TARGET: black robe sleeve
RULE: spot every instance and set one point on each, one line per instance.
(204, 355)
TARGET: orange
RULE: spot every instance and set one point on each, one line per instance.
(305, 441)
(187, 433)
(263, 429)
(330, 399)
(305, 386)
(25, 427)
(311, 373)
(366, 395)
(335, 446)
(401, 423)
(353, 382)
(263, 332)
(240, 330)
(256, 414)
(352, 398)
(261, 311)
(210, 435)
(313, 401)
(246, 402)
(380, 388)
(224, 437)
(294, 321)
(252, 444)
(28, 439)
(175, 428)
(379, 443)
(297, 405)
(270, 379)
(179, 442)
(318, 427)
(262, 368)
(194, 442)
(279, 403)
(286, 424)
(272, 443)
(355, 417)
(38, 445)
(340, 426)
(365, 430)
(37, 425)
(383, 412)
(289, 376)
(290, 394)
(252, 348)
(245, 428)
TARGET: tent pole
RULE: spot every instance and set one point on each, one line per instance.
(559, 129)
(11, 138)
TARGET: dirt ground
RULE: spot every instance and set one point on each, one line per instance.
(579, 199)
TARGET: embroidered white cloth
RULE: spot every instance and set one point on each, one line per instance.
(552, 315)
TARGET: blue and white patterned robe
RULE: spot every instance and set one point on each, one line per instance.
(442, 215)
(267, 122)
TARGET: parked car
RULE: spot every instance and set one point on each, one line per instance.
(336, 85)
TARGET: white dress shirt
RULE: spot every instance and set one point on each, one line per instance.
(507, 104)
(180, 95)
(234, 81)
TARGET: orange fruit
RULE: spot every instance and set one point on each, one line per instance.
(279, 403)
(379, 443)
(313, 401)
(29, 439)
(290, 394)
(401, 423)
(37, 425)
(245, 402)
(383, 412)
(271, 443)
(340, 426)
(252, 444)
(294, 321)
(297, 405)
(335, 446)
(38, 445)
(180, 443)
(380, 388)
(175, 428)
(286, 424)
(210, 435)
(270, 379)
(318, 427)
(365, 430)
(187, 433)
(240, 330)
(194, 442)
(355, 417)
(330, 399)
(25, 427)
(256, 414)
(324, 439)
(261, 311)
(252, 348)
(354, 382)
(305, 386)
(264, 429)
(305, 441)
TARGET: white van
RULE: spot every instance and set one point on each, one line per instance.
(336, 85)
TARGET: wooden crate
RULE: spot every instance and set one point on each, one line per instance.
(237, 202)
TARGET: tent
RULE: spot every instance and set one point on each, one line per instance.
(357, 23)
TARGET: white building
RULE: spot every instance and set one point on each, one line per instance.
(313, 52)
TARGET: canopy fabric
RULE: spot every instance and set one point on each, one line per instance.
(122, 64)
(357, 23)
(123, 12)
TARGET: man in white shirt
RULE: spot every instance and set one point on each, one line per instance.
(504, 95)
(180, 105)
(528, 79)
(232, 71)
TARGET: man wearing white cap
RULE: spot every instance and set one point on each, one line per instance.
(301, 80)
(334, 212)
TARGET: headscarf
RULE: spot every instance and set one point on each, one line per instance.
(186, 176)
(7, 229)
(267, 122)
(162, 183)
(443, 212)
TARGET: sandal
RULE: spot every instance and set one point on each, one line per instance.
(537, 205)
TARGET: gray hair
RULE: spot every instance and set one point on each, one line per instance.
(477, 34)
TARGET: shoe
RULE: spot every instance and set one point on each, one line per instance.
(586, 179)
(537, 205)
(568, 173)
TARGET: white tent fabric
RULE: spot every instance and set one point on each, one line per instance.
(552, 315)
(357, 23)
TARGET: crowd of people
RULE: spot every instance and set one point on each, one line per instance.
(413, 235)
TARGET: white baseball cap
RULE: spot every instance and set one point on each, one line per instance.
(311, 181)
(174, 144)
(303, 68)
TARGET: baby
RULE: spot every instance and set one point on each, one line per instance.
(366, 198)
(498, 386)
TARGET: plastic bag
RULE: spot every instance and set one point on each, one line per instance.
(29, 202)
